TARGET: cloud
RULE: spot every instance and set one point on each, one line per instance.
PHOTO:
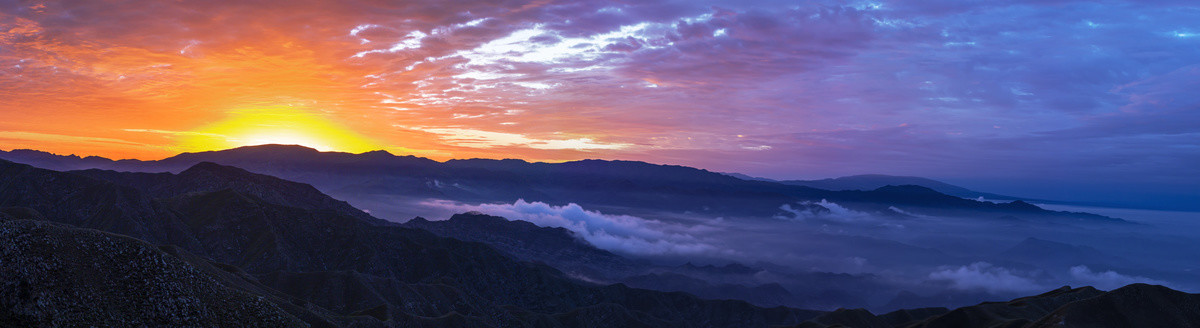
(823, 209)
(1107, 280)
(34, 140)
(619, 233)
(487, 139)
(985, 276)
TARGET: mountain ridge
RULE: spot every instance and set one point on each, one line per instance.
(625, 186)
(875, 181)
(302, 253)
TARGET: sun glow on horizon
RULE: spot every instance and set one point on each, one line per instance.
(276, 125)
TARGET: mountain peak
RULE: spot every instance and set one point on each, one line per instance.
(26, 151)
(1022, 205)
(907, 189)
(278, 147)
(258, 151)
(476, 216)
(214, 168)
(378, 153)
(1143, 305)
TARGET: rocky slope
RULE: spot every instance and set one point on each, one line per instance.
(55, 275)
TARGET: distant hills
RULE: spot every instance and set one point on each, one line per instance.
(623, 187)
(876, 181)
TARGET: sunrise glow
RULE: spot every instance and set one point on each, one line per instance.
(783, 90)
(275, 125)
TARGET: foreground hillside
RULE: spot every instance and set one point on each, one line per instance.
(54, 272)
(58, 275)
(1137, 305)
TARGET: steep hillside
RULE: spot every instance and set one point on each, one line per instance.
(55, 275)
(523, 240)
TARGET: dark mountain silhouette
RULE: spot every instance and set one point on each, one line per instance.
(557, 247)
(749, 177)
(762, 295)
(345, 269)
(621, 187)
(92, 203)
(1017, 312)
(946, 298)
(876, 181)
(59, 162)
(850, 318)
(56, 275)
(1136, 305)
(907, 317)
(244, 249)
(209, 177)
(925, 201)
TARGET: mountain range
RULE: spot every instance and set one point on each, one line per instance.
(875, 181)
(327, 266)
(380, 180)
(219, 245)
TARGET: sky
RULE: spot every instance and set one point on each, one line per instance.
(1057, 99)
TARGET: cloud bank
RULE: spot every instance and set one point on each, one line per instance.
(987, 277)
(823, 209)
(619, 233)
(1107, 280)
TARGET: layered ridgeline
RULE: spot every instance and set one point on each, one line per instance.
(876, 181)
(871, 255)
(238, 246)
(564, 250)
(243, 249)
(624, 187)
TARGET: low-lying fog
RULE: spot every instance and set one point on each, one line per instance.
(844, 258)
